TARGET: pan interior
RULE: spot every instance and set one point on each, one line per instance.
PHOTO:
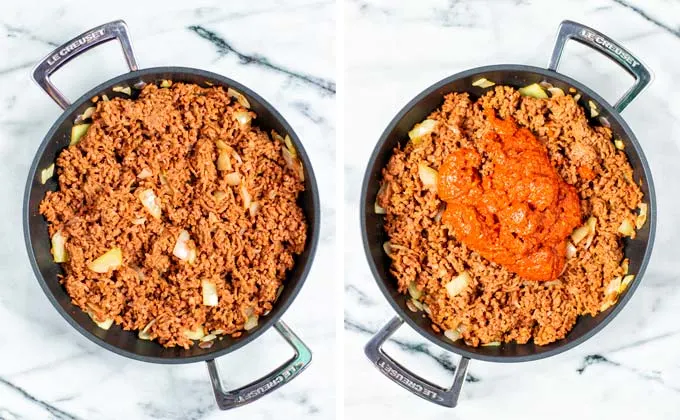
(38, 241)
(374, 235)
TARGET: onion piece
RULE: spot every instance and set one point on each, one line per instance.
(422, 129)
(222, 145)
(289, 145)
(278, 293)
(642, 216)
(427, 309)
(411, 305)
(428, 176)
(245, 196)
(619, 144)
(77, 133)
(593, 109)
(219, 196)
(144, 333)
(195, 334)
(414, 291)
(223, 162)
(417, 304)
(624, 266)
(579, 233)
(277, 137)
(300, 171)
(288, 157)
(233, 179)
(613, 287)
(166, 83)
(555, 92)
(192, 255)
(243, 117)
(183, 249)
(46, 174)
(88, 113)
(126, 90)
(110, 260)
(211, 216)
(105, 98)
(205, 344)
(577, 97)
(483, 83)
(236, 156)
(571, 250)
(59, 248)
(588, 229)
(145, 173)
(458, 284)
(440, 212)
(534, 90)
(209, 290)
(254, 208)
(606, 304)
(209, 337)
(492, 344)
(453, 335)
(150, 202)
(104, 325)
(293, 163)
(376, 207)
(250, 323)
(625, 282)
(387, 247)
(627, 228)
(239, 97)
(591, 223)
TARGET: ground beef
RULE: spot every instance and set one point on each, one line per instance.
(499, 306)
(172, 132)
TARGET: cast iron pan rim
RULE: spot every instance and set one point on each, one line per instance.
(568, 344)
(281, 306)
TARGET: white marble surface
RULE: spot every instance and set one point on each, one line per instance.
(49, 371)
(394, 50)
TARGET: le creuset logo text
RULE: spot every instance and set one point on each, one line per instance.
(610, 46)
(278, 380)
(388, 370)
(92, 36)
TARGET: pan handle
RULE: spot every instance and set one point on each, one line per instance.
(407, 379)
(607, 46)
(227, 400)
(78, 45)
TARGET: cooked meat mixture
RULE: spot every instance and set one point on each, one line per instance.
(178, 217)
(482, 302)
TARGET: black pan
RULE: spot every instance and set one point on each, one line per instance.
(115, 339)
(637, 250)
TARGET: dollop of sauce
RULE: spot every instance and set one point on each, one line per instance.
(507, 202)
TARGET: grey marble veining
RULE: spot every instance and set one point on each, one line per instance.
(397, 49)
(278, 48)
